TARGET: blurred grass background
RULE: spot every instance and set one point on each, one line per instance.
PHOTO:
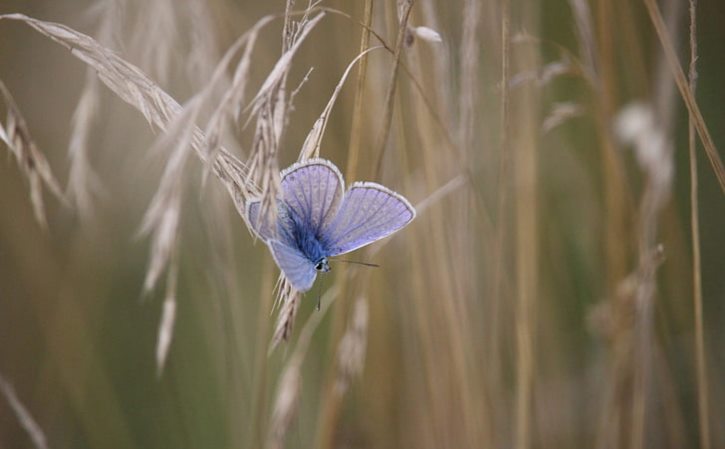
(500, 318)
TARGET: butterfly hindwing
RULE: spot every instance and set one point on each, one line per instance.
(298, 270)
(313, 191)
(368, 212)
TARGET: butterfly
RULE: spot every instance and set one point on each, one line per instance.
(317, 219)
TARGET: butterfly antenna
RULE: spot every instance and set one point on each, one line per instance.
(366, 264)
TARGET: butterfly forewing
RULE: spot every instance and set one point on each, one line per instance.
(368, 213)
(298, 270)
(282, 230)
(313, 190)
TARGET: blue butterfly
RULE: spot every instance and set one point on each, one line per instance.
(316, 220)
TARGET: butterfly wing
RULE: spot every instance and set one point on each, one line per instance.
(313, 191)
(368, 213)
(261, 226)
(298, 270)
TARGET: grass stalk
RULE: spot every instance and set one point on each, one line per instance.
(356, 131)
(393, 80)
(500, 263)
(687, 95)
(524, 149)
(700, 362)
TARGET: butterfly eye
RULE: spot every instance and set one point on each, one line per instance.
(322, 265)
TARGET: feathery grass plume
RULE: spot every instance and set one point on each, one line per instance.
(132, 86)
(286, 403)
(162, 221)
(162, 217)
(288, 301)
(16, 136)
(545, 74)
(561, 113)
(163, 113)
(351, 350)
(203, 48)
(636, 125)
(83, 181)
(26, 420)
(157, 22)
(168, 318)
(230, 106)
(270, 107)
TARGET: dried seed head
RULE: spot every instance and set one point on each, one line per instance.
(636, 125)
(428, 34)
(351, 352)
(16, 136)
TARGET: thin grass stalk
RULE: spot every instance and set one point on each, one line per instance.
(393, 80)
(503, 186)
(356, 131)
(525, 168)
(613, 176)
(258, 412)
(429, 104)
(687, 94)
(437, 336)
(426, 283)
(632, 44)
(700, 361)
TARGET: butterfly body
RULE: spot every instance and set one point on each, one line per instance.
(316, 219)
(307, 240)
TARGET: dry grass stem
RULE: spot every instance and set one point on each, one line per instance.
(686, 92)
(356, 128)
(404, 8)
(703, 390)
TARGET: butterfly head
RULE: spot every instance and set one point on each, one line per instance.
(322, 265)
